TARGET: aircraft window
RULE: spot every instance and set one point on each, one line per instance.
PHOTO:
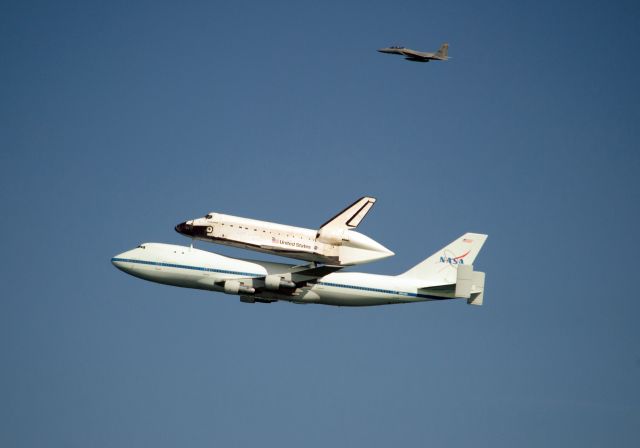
(142, 246)
(209, 216)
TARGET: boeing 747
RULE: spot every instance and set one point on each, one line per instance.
(447, 274)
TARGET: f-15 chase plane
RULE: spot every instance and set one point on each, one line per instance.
(419, 56)
(335, 242)
(447, 274)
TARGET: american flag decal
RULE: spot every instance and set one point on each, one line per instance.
(467, 240)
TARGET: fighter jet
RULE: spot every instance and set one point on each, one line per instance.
(419, 56)
(334, 243)
(447, 274)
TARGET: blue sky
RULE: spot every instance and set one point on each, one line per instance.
(121, 120)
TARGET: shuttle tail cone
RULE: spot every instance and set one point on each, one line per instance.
(358, 248)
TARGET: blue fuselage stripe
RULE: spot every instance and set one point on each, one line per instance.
(184, 266)
(249, 274)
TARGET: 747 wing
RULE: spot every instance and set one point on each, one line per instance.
(273, 286)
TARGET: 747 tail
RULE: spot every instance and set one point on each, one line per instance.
(453, 266)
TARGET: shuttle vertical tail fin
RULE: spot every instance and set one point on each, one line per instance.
(350, 217)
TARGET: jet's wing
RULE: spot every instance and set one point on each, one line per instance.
(287, 282)
(350, 217)
(315, 271)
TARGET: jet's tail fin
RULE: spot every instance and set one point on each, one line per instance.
(350, 217)
(443, 51)
(443, 265)
(469, 285)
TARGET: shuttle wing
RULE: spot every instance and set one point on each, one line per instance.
(350, 217)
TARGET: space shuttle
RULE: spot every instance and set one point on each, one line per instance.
(334, 243)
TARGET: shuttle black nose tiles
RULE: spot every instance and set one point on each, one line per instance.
(191, 230)
(181, 228)
(185, 229)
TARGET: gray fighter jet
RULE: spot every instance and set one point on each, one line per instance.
(419, 56)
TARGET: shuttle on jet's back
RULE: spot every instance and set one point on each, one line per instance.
(334, 243)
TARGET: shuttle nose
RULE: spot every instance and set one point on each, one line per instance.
(184, 229)
(188, 228)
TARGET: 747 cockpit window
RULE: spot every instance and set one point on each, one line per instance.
(142, 246)
(209, 216)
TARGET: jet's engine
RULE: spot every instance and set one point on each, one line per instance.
(275, 282)
(235, 287)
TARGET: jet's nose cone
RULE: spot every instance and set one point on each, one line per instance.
(126, 260)
(119, 260)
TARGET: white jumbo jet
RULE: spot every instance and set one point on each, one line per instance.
(447, 274)
(335, 242)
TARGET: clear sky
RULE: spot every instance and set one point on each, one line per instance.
(121, 119)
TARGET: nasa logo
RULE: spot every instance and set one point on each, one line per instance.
(453, 260)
